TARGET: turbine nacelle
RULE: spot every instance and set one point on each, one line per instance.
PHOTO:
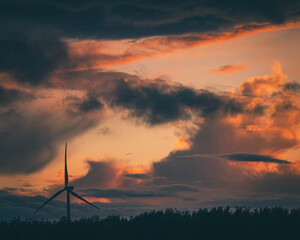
(69, 188)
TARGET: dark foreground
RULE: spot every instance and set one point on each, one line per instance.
(218, 223)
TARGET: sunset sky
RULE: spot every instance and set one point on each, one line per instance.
(182, 104)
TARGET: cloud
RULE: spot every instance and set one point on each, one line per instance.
(27, 185)
(137, 176)
(31, 59)
(286, 182)
(111, 173)
(244, 178)
(65, 44)
(206, 171)
(181, 177)
(89, 103)
(158, 102)
(137, 19)
(244, 157)
(133, 31)
(248, 120)
(30, 142)
(174, 188)
(8, 96)
(100, 174)
(94, 54)
(221, 136)
(250, 138)
(104, 131)
(267, 125)
(92, 81)
(292, 86)
(122, 194)
(110, 180)
(230, 68)
(130, 31)
(141, 192)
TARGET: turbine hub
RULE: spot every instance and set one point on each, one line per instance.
(69, 187)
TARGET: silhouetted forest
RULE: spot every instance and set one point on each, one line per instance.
(217, 223)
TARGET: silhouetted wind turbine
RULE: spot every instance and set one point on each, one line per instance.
(68, 189)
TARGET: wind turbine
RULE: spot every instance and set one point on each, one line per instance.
(68, 189)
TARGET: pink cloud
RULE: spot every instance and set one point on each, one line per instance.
(230, 68)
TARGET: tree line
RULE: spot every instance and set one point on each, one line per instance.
(216, 223)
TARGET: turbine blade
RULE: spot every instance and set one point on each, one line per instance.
(54, 196)
(81, 198)
(66, 170)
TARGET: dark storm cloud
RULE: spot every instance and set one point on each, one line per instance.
(31, 59)
(159, 102)
(8, 96)
(153, 101)
(244, 157)
(89, 103)
(134, 19)
(27, 185)
(137, 176)
(28, 144)
(274, 11)
(259, 109)
(292, 86)
(11, 113)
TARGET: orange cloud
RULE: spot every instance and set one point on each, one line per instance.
(93, 54)
(268, 125)
(230, 68)
(182, 144)
(276, 113)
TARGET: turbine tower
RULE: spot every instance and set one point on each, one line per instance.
(68, 189)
